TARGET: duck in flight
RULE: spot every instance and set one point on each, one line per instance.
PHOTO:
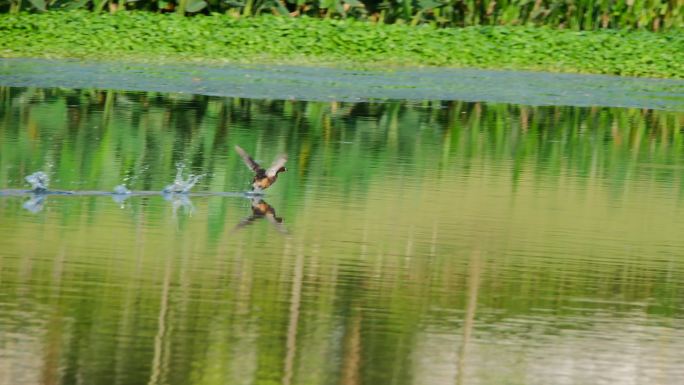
(264, 178)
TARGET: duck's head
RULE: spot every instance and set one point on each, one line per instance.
(282, 169)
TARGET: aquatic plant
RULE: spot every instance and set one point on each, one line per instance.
(219, 38)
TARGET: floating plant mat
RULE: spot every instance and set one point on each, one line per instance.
(325, 84)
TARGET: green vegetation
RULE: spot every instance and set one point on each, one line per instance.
(150, 36)
(574, 14)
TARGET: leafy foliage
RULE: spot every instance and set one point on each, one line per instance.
(145, 35)
(573, 14)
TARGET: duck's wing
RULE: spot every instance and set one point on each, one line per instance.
(251, 163)
(277, 222)
(245, 222)
(276, 165)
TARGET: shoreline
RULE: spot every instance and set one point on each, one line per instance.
(218, 39)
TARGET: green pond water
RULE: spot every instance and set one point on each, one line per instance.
(439, 242)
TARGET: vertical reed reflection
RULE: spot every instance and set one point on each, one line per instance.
(351, 356)
(126, 323)
(474, 272)
(293, 322)
(158, 366)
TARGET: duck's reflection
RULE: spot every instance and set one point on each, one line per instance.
(261, 209)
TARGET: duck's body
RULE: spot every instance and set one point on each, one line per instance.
(264, 178)
(262, 181)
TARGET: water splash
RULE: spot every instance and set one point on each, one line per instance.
(121, 194)
(178, 202)
(39, 181)
(34, 204)
(121, 190)
(181, 186)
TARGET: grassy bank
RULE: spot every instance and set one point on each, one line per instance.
(156, 37)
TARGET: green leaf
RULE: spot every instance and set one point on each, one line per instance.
(39, 4)
(98, 5)
(69, 5)
(429, 4)
(195, 6)
(354, 3)
(281, 8)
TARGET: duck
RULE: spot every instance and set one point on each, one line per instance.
(264, 178)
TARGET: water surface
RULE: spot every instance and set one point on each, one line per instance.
(351, 85)
(421, 243)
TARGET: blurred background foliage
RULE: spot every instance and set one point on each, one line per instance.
(574, 14)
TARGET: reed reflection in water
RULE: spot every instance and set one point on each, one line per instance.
(429, 243)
